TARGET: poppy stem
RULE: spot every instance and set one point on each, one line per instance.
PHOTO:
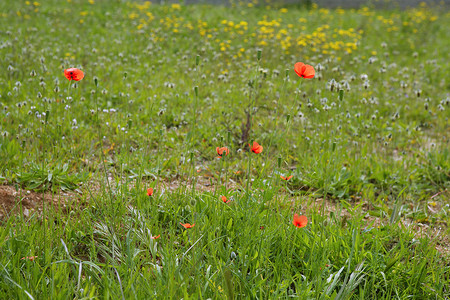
(44, 220)
(248, 172)
(226, 174)
(193, 173)
(221, 168)
(159, 160)
(193, 138)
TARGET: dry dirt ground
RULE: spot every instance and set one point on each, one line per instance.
(13, 201)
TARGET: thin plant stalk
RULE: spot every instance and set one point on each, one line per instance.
(248, 173)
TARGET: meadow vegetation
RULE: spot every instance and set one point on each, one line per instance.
(144, 178)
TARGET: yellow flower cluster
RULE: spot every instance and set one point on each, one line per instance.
(310, 34)
(239, 28)
(143, 6)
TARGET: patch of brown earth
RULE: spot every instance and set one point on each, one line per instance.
(14, 201)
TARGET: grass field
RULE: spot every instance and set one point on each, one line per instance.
(99, 175)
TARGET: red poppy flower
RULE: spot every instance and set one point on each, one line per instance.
(300, 221)
(29, 257)
(225, 200)
(155, 237)
(304, 71)
(256, 148)
(74, 74)
(222, 150)
(187, 225)
(149, 192)
(286, 178)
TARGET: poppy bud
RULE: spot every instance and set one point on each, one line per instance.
(197, 60)
(196, 91)
(258, 54)
(287, 118)
(96, 81)
(341, 95)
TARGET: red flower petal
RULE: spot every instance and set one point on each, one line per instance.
(74, 74)
(300, 221)
(256, 148)
(298, 68)
(187, 225)
(304, 71)
(309, 72)
(222, 150)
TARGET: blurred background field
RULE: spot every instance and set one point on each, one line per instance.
(366, 142)
(379, 4)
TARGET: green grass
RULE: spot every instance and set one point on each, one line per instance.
(164, 86)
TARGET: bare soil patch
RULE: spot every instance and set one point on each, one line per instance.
(14, 201)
